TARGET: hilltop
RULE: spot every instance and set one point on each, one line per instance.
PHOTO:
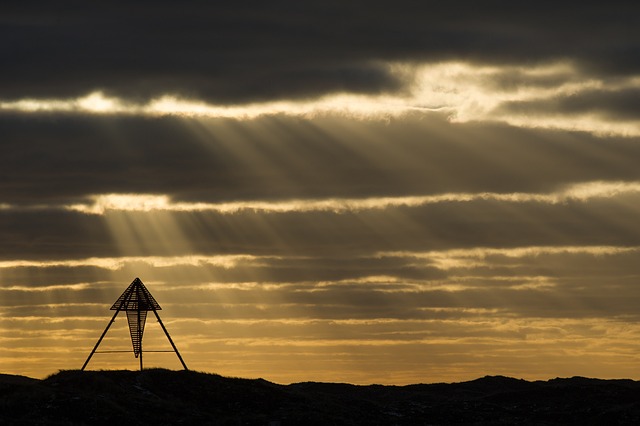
(164, 397)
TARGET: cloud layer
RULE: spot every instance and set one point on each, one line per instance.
(255, 51)
(340, 192)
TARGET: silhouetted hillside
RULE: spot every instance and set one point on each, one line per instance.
(163, 397)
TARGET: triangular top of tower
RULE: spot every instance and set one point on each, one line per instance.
(136, 301)
(136, 298)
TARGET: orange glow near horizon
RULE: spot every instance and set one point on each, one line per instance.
(269, 330)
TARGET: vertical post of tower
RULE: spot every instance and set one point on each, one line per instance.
(140, 334)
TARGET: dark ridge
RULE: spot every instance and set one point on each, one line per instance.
(163, 397)
(12, 379)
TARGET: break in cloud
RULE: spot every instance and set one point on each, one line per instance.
(349, 192)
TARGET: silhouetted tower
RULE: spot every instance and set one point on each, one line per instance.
(136, 301)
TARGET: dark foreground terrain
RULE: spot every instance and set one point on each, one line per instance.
(162, 397)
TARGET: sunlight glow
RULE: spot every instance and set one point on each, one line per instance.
(72, 287)
(97, 103)
(462, 91)
(116, 263)
(581, 192)
(474, 257)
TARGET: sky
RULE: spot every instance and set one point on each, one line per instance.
(364, 192)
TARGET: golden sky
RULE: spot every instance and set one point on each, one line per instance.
(403, 196)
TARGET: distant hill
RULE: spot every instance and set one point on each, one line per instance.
(163, 397)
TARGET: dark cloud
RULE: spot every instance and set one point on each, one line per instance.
(248, 51)
(64, 159)
(343, 301)
(622, 105)
(53, 235)
(45, 235)
(50, 161)
(511, 79)
(34, 277)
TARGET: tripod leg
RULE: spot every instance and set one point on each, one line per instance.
(100, 340)
(170, 341)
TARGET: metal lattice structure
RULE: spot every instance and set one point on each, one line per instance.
(136, 301)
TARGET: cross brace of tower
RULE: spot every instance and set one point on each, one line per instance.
(136, 301)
